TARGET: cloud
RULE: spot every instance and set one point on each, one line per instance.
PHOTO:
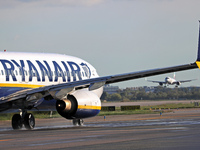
(71, 2)
(48, 3)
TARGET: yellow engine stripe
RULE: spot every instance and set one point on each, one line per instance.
(89, 107)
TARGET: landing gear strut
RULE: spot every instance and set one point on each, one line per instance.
(24, 118)
(78, 122)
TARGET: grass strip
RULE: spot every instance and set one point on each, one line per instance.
(143, 110)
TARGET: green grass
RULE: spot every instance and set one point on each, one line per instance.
(171, 106)
(129, 112)
(45, 114)
(143, 110)
(146, 109)
(37, 114)
(7, 116)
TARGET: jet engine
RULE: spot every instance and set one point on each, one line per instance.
(78, 105)
(178, 83)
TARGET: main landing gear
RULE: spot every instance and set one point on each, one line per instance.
(78, 122)
(24, 118)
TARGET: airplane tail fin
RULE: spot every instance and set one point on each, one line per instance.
(174, 75)
(198, 53)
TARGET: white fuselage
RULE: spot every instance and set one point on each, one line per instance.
(32, 70)
(170, 80)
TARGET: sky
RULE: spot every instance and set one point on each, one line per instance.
(115, 36)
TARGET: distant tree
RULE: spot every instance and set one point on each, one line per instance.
(157, 93)
(115, 97)
(104, 96)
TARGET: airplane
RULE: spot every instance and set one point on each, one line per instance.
(29, 79)
(171, 81)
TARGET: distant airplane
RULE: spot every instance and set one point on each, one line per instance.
(29, 79)
(171, 81)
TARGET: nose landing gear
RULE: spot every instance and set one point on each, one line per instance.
(78, 122)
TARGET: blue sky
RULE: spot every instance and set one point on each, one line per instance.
(115, 36)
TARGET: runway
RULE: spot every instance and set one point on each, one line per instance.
(176, 130)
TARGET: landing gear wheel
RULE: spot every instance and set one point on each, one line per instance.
(16, 122)
(77, 122)
(80, 122)
(29, 121)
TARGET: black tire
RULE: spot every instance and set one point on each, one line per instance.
(29, 121)
(80, 122)
(16, 122)
(75, 122)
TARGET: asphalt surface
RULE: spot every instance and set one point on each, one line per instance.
(178, 129)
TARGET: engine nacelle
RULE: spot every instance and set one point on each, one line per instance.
(178, 83)
(160, 83)
(80, 104)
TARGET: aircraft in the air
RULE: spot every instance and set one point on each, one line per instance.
(28, 79)
(171, 81)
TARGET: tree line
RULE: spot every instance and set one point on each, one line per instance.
(157, 93)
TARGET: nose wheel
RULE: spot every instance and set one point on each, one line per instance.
(26, 119)
(78, 122)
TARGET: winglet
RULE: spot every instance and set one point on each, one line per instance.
(198, 54)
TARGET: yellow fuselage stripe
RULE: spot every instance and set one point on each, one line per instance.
(20, 85)
(36, 86)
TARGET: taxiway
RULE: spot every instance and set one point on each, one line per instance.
(176, 130)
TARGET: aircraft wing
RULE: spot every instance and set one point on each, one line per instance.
(59, 90)
(147, 73)
(182, 81)
(156, 81)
